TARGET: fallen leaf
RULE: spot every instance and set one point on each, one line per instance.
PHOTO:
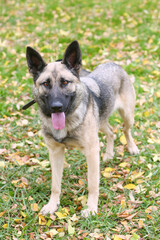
(130, 186)
(116, 237)
(17, 220)
(2, 150)
(52, 233)
(5, 226)
(62, 214)
(83, 200)
(135, 237)
(124, 164)
(42, 220)
(81, 183)
(2, 164)
(137, 175)
(71, 230)
(2, 213)
(34, 207)
(123, 140)
(151, 209)
(23, 214)
(140, 224)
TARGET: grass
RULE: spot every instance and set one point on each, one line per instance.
(126, 32)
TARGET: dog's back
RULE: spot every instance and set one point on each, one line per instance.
(107, 83)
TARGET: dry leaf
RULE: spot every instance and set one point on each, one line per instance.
(42, 220)
(151, 209)
(123, 140)
(140, 224)
(130, 186)
(62, 214)
(52, 233)
(2, 213)
(34, 207)
(5, 226)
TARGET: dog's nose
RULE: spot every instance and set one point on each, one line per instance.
(57, 107)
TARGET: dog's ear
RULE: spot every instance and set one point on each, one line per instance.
(35, 62)
(72, 57)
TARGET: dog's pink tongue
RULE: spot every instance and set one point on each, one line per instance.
(58, 120)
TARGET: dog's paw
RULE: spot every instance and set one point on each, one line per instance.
(133, 150)
(88, 212)
(49, 208)
(108, 155)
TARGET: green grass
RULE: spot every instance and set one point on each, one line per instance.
(126, 32)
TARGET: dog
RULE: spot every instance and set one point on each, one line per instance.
(74, 109)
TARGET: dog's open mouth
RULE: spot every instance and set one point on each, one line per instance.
(58, 120)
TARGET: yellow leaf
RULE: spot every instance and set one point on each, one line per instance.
(62, 214)
(123, 164)
(140, 224)
(107, 174)
(145, 62)
(132, 39)
(23, 214)
(123, 140)
(117, 120)
(42, 220)
(155, 72)
(6, 63)
(157, 94)
(34, 207)
(17, 220)
(151, 209)
(146, 113)
(2, 164)
(60, 230)
(138, 175)
(14, 182)
(5, 226)
(64, 33)
(81, 183)
(139, 181)
(42, 144)
(130, 186)
(109, 169)
(123, 203)
(83, 200)
(117, 238)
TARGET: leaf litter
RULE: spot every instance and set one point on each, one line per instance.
(130, 185)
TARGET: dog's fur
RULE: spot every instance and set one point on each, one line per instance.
(87, 102)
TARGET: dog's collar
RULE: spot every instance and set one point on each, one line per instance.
(28, 104)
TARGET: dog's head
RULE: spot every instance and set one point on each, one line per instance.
(55, 84)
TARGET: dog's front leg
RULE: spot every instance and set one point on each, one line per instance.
(92, 156)
(56, 157)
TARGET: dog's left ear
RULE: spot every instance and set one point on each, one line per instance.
(72, 57)
(35, 62)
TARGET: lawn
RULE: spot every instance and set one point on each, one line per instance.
(126, 32)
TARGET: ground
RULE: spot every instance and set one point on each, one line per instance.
(126, 32)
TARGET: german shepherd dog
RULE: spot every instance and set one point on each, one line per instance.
(73, 109)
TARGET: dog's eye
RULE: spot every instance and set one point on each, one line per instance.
(64, 82)
(46, 83)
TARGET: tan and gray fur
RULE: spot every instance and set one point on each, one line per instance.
(87, 102)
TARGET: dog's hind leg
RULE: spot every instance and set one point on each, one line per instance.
(107, 129)
(127, 113)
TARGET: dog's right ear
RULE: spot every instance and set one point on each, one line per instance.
(72, 57)
(35, 62)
